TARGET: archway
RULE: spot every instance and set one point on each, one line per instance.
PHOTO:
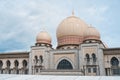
(87, 57)
(114, 61)
(24, 62)
(25, 70)
(16, 63)
(94, 57)
(1, 64)
(64, 64)
(115, 66)
(8, 64)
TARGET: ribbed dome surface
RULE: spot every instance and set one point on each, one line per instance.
(92, 33)
(71, 26)
(71, 31)
(43, 37)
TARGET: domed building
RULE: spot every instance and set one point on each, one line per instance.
(79, 51)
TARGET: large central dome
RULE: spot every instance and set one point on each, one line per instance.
(71, 31)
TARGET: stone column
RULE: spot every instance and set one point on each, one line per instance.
(101, 62)
(30, 63)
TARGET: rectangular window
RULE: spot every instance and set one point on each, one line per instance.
(9, 71)
(94, 70)
(26, 71)
(116, 71)
(1, 71)
(17, 71)
(89, 70)
(36, 70)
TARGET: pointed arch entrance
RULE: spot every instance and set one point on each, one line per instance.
(64, 64)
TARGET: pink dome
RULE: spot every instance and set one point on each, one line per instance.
(92, 33)
(43, 37)
(71, 31)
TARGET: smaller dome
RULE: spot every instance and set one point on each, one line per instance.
(43, 37)
(92, 33)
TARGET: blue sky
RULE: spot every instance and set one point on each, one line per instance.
(22, 20)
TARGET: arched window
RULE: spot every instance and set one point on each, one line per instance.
(24, 62)
(64, 64)
(41, 59)
(8, 66)
(68, 47)
(25, 70)
(75, 47)
(36, 59)
(115, 66)
(94, 57)
(87, 57)
(1, 64)
(8, 63)
(114, 61)
(16, 63)
(62, 48)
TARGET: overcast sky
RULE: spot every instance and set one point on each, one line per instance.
(22, 20)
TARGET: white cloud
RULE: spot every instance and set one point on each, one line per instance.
(96, 13)
(22, 20)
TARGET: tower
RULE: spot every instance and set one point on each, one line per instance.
(39, 56)
(91, 55)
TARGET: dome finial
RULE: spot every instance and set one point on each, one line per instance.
(73, 12)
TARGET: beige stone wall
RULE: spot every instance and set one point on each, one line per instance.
(37, 52)
(12, 62)
(89, 50)
(107, 59)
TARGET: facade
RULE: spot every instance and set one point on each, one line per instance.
(80, 51)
